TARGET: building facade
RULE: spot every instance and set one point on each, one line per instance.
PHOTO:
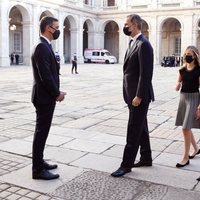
(170, 25)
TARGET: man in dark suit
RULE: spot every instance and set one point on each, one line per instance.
(138, 92)
(45, 93)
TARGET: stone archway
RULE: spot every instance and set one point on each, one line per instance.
(88, 34)
(111, 38)
(171, 38)
(46, 13)
(69, 38)
(85, 36)
(19, 34)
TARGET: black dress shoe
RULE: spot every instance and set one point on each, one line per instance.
(198, 152)
(48, 166)
(120, 172)
(44, 175)
(143, 163)
(178, 165)
(198, 179)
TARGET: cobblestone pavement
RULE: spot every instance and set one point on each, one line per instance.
(87, 138)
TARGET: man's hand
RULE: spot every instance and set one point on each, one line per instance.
(136, 101)
(61, 96)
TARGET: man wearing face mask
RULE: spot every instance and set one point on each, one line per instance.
(138, 92)
(45, 93)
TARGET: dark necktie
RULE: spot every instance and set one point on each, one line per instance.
(130, 44)
(51, 47)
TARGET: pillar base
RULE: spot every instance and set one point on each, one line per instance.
(4, 62)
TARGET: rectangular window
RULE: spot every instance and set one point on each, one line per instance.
(95, 53)
(17, 42)
(86, 2)
(177, 46)
(111, 2)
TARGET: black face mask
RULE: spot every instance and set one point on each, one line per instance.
(126, 31)
(56, 34)
(189, 59)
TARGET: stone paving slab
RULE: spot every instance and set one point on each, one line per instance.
(22, 178)
(158, 144)
(12, 192)
(106, 138)
(167, 176)
(72, 132)
(62, 155)
(97, 162)
(87, 146)
(95, 185)
(16, 146)
(10, 162)
(100, 186)
(82, 123)
(53, 140)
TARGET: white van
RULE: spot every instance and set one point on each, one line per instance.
(98, 56)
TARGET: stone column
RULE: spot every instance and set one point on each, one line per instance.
(36, 23)
(74, 43)
(123, 42)
(155, 40)
(186, 36)
(91, 36)
(79, 41)
(60, 42)
(27, 42)
(4, 34)
(98, 39)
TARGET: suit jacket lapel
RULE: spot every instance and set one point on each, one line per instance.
(48, 45)
(129, 53)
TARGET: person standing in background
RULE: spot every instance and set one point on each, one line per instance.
(74, 64)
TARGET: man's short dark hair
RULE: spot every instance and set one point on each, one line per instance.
(137, 19)
(46, 21)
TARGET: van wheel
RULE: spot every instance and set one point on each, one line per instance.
(107, 62)
(89, 61)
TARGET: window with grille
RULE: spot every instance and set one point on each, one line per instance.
(17, 42)
(177, 46)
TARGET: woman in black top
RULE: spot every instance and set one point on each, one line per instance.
(188, 113)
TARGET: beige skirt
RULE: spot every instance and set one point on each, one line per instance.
(186, 110)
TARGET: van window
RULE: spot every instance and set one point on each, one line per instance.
(102, 53)
(108, 53)
(95, 53)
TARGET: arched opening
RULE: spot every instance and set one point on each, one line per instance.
(67, 43)
(111, 2)
(85, 36)
(46, 13)
(111, 38)
(69, 38)
(19, 35)
(171, 38)
(15, 36)
(88, 35)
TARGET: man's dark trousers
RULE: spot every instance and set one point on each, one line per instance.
(137, 135)
(44, 115)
